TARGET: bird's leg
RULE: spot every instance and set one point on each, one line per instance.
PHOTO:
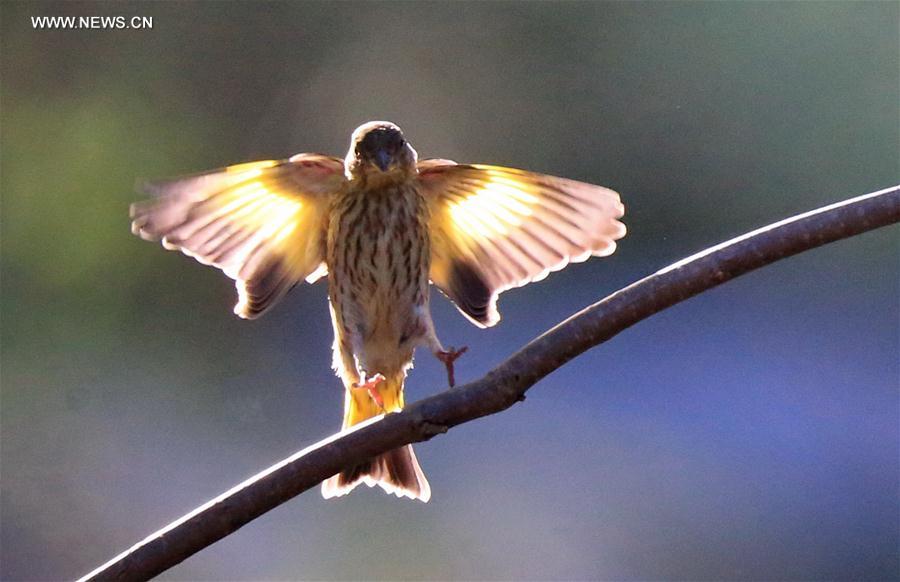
(371, 386)
(448, 357)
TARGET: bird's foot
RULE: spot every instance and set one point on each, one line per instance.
(371, 386)
(448, 357)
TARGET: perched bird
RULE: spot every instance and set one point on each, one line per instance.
(381, 225)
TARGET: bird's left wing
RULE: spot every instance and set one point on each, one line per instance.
(261, 223)
(493, 228)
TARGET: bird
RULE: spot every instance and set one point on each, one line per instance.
(382, 227)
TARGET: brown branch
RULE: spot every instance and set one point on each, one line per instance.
(504, 385)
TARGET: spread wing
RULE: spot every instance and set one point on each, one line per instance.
(261, 223)
(493, 228)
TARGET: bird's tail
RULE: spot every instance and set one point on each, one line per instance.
(396, 471)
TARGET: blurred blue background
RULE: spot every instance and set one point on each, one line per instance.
(750, 433)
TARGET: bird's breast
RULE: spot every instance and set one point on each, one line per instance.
(378, 255)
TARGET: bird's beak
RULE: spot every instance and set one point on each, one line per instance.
(383, 160)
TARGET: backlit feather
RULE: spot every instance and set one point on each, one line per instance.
(261, 223)
(494, 228)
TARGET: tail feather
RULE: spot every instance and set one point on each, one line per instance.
(397, 471)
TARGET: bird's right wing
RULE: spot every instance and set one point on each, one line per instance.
(261, 223)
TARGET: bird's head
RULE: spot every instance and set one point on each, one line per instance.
(378, 148)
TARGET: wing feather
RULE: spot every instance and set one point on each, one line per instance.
(494, 228)
(261, 223)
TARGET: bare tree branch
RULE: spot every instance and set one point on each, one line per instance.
(504, 385)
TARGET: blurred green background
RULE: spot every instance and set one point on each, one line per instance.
(750, 433)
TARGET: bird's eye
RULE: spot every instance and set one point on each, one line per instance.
(401, 144)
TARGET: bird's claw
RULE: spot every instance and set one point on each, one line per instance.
(448, 357)
(371, 386)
